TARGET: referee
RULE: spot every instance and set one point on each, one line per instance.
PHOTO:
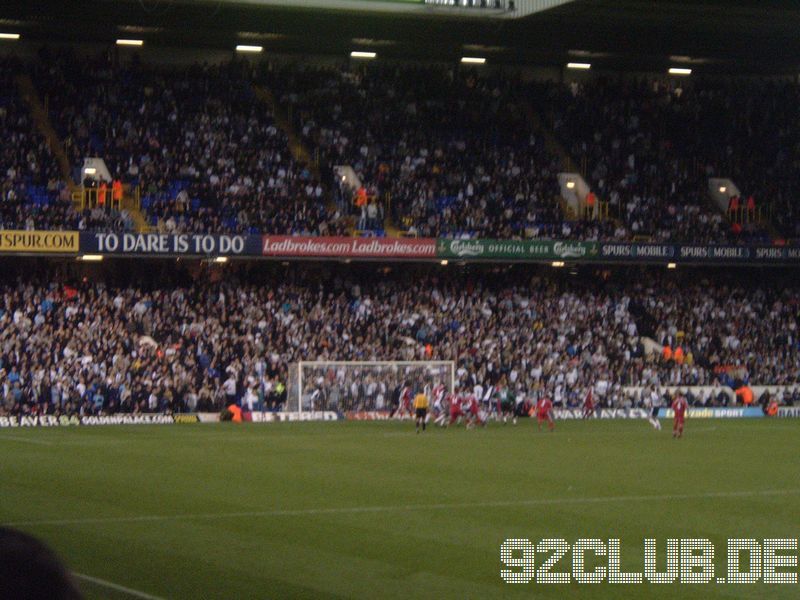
(421, 409)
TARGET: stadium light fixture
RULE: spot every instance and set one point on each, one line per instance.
(246, 48)
(722, 189)
(672, 266)
(473, 60)
(570, 185)
(361, 54)
(92, 257)
(558, 263)
(139, 29)
(444, 263)
(221, 259)
(679, 71)
(9, 36)
(128, 42)
(358, 41)
(579, 65)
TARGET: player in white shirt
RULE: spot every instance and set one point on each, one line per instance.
(520, 399)
(486, 402)
(601, 387)
(652, 401)
(478, 392)
(251, 397)
(439, 413)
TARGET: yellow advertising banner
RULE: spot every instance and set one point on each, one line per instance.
(56, 242)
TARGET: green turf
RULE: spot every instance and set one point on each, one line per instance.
(204, 473)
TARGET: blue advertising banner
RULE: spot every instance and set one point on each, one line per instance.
(164, 244)
(716, 412)
(688, 253)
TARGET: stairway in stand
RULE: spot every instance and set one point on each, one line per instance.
(27, 91)
(555, 147)
(551, 142)
(300, 153)
(131, 204)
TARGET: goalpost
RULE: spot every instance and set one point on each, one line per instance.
(356, 386)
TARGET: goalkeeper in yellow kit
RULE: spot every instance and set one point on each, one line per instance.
(421, 409)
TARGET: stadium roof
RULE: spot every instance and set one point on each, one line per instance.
(728, 36)
(479, 9)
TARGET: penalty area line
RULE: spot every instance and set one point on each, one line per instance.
(405, 507)
(115, 586)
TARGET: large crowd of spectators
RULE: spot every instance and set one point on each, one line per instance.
(203, 149)
(729, 330)
(649, 147)
(33, 194)
(438, 150)
(202, 343)
(446, 152)
(749, 130)
(453, 153)
(29, 180)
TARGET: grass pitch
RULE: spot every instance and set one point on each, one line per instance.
(372, 510)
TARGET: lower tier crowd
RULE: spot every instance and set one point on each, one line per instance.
(149, 339)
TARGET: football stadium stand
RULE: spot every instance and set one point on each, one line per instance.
(90, 347)
(433, 151)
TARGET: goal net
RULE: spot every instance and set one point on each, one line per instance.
(357, 386)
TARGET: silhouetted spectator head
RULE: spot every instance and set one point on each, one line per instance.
(29, 570)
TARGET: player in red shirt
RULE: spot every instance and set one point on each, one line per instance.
(404, 405)
(544, 412)
(588, 405)
(455, 408)
(679, 406)
(473, 412)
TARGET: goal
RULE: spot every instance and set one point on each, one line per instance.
(356, 386)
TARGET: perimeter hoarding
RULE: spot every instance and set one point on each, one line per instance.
(348, 247)
(39, 242)
(517, 249)
(277, 246)
(86, 420)
(285, 246)
(716, 412)
(578, 251)
(698, 254)
(165, 244)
